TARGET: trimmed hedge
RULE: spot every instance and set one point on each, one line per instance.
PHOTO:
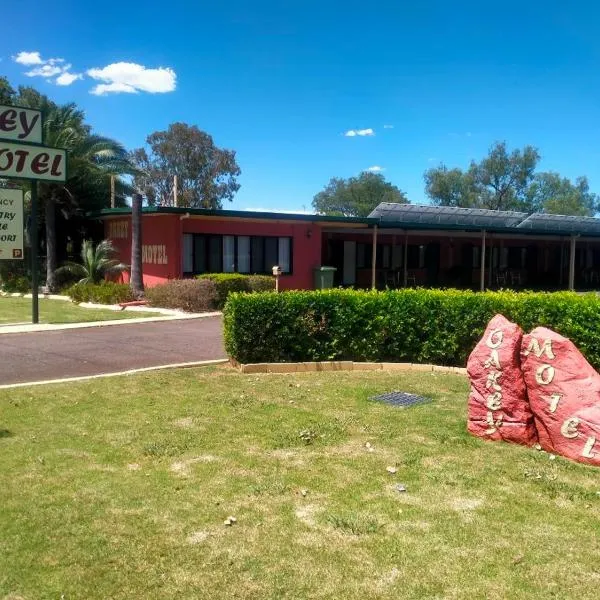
(418, 326)
(106, 292)
(190, 295)
(227, 283)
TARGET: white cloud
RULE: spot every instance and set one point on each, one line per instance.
(67, 78)
(388, 127)
(46, 70)
(130, 78)
(28, 58)
(375, 169)
(361, 132)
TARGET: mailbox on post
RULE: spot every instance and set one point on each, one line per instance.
(276, 274)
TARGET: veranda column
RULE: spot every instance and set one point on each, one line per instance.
(482, 270)
(374, 258)
(405, 257)
(572, 264)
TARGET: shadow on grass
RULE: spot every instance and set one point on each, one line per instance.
(5, 433)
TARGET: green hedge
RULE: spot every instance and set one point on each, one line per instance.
(227, 283)
(190, 295)
(106, 292)
(419, 326)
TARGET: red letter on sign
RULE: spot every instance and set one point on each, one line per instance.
(9, 159)
(39, 165)
(56, 170)
(8, 120)
(22, 154)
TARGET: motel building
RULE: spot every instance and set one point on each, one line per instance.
(396, 246)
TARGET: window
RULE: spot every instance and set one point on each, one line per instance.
(188, 253)
(228, 254)
(243, 254)
(235, 254)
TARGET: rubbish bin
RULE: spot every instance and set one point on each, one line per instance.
(324, 277)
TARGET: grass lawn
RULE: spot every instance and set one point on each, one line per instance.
(119, 488)
(18, 310)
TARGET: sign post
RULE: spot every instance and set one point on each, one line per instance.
(22, 156)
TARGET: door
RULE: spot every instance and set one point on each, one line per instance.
(349, 273)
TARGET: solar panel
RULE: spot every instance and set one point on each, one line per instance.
(561, 224)
(415, 214)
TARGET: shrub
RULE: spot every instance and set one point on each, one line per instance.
(226, 283)
(16, 284)
(419, 326)
(106, 292)
(191, 295)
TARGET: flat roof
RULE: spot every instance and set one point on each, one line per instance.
(236, 214)
(418, 216)
(404, 216)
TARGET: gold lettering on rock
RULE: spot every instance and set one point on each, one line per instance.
(554, 400)
(569, 428)
(493, 425)
(494, 401)
(493, 360)
(544, 374)
(534, 346)
(495, 338)
(492, 381)
(589, 446)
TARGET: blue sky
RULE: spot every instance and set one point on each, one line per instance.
(281, 82)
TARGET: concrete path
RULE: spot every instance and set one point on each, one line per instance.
(97, 350)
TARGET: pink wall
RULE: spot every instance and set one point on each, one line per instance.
(162, 238)
(161, 249)
(306, 251)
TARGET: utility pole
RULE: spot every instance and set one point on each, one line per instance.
(175, 201)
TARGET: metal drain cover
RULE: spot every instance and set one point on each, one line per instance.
(401, 399)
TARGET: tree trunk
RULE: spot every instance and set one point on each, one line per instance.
(136, 282)
(51, 242)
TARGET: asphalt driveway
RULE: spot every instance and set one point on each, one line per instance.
(95, 350)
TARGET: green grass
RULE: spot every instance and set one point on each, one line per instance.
(119, 488)
(18, 310)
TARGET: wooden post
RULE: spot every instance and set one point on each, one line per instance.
(405, 258)
(482, 269)
(572, 264)
(374, 259)
(112, 191)
(175, 199)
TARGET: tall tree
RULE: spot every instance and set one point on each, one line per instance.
(551, 193)
(136, 281)
(498, 182)
(7, 93)
(206, 174)
(356, 196)
(91, 159)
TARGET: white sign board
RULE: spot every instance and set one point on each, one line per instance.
(20, 124)
(11, 224)
(32, 162)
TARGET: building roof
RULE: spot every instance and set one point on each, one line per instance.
(405, 216)
(236, 214)
(415, 216)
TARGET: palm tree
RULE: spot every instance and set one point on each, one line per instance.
(95, 264)
(91, 160)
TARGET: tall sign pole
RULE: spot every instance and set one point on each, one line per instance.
(35, 307)
(22, 156)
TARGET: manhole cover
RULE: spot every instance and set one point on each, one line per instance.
(400, 399)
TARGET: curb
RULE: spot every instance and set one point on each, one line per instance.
(200, 363)
(306, 367)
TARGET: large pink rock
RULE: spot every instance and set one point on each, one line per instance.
(564, 394)
(498, 406)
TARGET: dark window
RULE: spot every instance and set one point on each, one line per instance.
(236, 254)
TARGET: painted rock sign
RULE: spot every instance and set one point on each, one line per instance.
(498, 406)
(564, 394)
